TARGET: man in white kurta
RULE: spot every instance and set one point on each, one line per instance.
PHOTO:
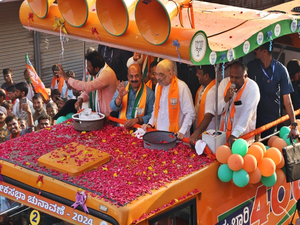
(204, 102)
(244, 97)
(165, 78)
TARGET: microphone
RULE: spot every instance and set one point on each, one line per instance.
(233, 87)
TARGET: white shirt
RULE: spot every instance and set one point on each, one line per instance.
(30, 93)
(186, 113)
(14, 109)
(209, 106)
(69, 92)
(244, 119)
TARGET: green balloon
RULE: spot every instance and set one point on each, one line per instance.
(224, 173)
(240, 147)
(267, 147)
(240, 178)
(269, 181)
(69, 115)
(287, 140)
(283, 131)
(61, 119)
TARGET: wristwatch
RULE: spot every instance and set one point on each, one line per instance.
(294, 125)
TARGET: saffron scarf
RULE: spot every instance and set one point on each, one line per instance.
(60, 81)
(139, 102)
(174, 105)
(232, 111)
(149, 84)
(202, 101)
(18, 135)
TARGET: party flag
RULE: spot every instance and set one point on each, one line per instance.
(38, 85)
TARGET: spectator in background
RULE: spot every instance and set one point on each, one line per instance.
(43, 122)
(11, 92)
(30, 93)
(51, 109)
(2, 96)
(22, 123)
(293, 68)
(21, 92)
(8, 106)
(54, 94)
(116, 59)
(61, 101)
(13, 124)
(57, 81)
(7, 75)
(67, 90)
(3, 128)
(37, 102)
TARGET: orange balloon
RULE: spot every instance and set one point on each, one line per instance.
(250, 163)
(279, 143)
(256, 151)
(222, 153)
(271, 139)
(235, 162)
(267, 167)
(263, 147)
(281, 164)
(280, 177)
(274, 154)
(255, 176)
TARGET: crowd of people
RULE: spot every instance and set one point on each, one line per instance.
(151, 94)
(247, 98)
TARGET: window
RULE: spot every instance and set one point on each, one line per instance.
(184, 214)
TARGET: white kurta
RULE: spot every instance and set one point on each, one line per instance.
(244, 119)
(186, 113)
(209, 106)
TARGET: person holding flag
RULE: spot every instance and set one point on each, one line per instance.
(38, 85)
(133, 99)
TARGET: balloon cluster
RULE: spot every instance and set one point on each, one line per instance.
(245, 165)
(283, 140)
(64, 118)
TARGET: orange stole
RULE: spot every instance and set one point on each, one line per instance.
(173, 109)
(232, 111)
(149, 84)
(202, 101)
(141, 103)
(60, 82)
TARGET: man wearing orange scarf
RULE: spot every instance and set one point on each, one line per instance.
(173, 108)
(204, 102)
(133, 99)
(57, 81)
(238, 104)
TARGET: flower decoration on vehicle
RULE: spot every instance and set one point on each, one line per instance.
(133, 171)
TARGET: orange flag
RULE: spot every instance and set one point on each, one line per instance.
(38, 85)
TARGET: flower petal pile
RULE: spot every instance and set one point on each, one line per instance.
(133, 170)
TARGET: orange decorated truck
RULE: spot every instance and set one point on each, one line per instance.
(106, 176)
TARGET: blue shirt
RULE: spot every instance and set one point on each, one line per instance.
(150, 98)
(69, 92)
(271, 89)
